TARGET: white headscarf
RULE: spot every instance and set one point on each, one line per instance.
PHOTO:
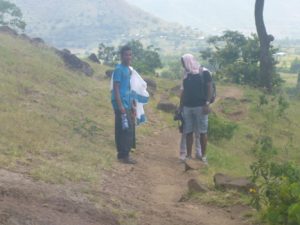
(191, 65)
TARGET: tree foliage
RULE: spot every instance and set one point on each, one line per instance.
(235, 58)
(173, 69)
(277, 192)
(295, 66)
(11, 15)
(108, 55)
(145, 60)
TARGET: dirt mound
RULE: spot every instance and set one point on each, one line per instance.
(232, 108)
(166, 107)
(38, 41)
(8, 30)
(176, 90)
(225, 182)
(24, 202)
(74, 63)
(94, 58)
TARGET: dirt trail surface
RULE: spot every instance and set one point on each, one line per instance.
(25, 202)
(154, 186)
(144, 194)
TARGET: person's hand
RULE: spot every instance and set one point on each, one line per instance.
(123, 110)
(133, 111)
(206, 109)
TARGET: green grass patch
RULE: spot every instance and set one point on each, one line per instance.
(57, 124)
(220, 198)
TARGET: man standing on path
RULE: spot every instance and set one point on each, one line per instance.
(123, 106)
(195, 100)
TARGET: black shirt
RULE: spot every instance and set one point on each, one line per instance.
(195, 90)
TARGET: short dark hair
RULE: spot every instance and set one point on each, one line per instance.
(125, 49)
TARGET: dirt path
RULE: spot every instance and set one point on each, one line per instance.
(151, 190)
(154, 187)
(144, 194)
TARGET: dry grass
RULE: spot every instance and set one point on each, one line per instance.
(56, 124)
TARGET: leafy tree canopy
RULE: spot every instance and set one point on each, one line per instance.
(11, 15)
(235, 58)
(145, 60)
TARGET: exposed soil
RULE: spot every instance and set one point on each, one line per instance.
(148, 193)
(26, 202)
(233, 96)
(154, 187)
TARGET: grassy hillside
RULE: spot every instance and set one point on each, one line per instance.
(239, 105)
(235, 155)
(56, 124)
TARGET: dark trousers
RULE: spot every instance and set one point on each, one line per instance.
(133, 134)
(123, 138)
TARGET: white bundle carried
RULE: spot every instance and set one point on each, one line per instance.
(139, 93)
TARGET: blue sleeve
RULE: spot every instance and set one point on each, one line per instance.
(117, 75)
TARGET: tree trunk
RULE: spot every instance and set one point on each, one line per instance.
(266, 61)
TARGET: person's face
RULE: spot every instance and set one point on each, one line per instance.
(127, 57)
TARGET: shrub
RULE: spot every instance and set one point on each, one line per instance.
(277, 196)
(220, 128)
(295, 66)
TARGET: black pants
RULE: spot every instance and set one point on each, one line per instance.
(123, 138)
(133, 135)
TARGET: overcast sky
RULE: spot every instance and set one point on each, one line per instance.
(282, 17)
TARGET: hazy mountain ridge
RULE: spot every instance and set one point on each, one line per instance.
(282, 17)
(83, 23)
(86, 23)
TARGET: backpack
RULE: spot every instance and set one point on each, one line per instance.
(214, 88)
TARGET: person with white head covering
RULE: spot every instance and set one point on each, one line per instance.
(193, 66)
(194, 102)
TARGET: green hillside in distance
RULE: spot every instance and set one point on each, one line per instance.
(86, 23)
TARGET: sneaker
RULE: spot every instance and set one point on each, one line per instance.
(189, 157)
(182, 157)
(199, 157)
(128, 161)
(204, 160)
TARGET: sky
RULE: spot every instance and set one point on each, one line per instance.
(282, 17)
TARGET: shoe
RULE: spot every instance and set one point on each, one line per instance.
(204, 160)
(199, 157)
(128, 161)
(189, 157)
(182, 157)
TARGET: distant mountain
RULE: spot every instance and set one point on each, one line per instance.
(86, 23)
(282, 17)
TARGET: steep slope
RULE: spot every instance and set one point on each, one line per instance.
(56, 124)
